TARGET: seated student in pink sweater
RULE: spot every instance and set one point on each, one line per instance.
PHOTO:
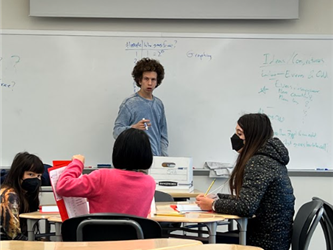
(124, 189)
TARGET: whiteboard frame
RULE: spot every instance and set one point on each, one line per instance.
(166, 34)
(172, 9)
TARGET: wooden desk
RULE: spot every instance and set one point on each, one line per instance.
(218, 247)
(57, 222)
(184, 195)
(208, 218)
(33, 218)
(100, 245)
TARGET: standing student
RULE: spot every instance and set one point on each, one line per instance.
(259, 185)
(20, 194)
(124, 189)
(143, 110)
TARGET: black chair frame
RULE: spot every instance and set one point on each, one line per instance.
(131, 223)
(326, 223)
(109, 226)
(305, 223)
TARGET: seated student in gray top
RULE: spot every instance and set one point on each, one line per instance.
(259, 185)
(143, 110)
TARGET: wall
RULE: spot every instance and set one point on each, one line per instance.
(172, 9)
(316, 17)
(15, 15)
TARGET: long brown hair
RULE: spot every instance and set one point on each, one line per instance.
(257, 130)
(21, 163)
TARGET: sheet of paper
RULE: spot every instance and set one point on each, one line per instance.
(223, 171)
(54, 176)
(189, 207)
(76, 206)
(153, 207)
(216, 165)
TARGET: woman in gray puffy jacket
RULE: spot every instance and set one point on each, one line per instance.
(260, 185)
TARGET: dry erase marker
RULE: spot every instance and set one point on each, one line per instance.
(322, 169)
(102, 165)
(146, 126)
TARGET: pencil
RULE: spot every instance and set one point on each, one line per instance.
(210, 187)
(170, 214)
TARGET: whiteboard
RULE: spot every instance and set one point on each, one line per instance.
(60, 92)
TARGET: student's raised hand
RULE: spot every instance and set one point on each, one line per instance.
(79, 157)
(204, 202)
(143, 124)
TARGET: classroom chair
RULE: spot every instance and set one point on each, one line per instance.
(162, 196)
(108, 227)
(167, 227)
(327, 223)
(305, 223)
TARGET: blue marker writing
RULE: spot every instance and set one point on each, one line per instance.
(321, 169)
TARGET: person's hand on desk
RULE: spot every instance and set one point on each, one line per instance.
(79, 157)
(204, 202)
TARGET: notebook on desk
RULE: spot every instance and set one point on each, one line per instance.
(187, 207)
(48, 209)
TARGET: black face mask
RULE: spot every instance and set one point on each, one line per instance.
(31, 185)
(236, 142)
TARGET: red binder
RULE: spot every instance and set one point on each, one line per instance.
(60, 203)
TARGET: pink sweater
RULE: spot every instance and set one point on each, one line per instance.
(109, 190)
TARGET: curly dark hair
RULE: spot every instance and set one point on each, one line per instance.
(147, 65)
